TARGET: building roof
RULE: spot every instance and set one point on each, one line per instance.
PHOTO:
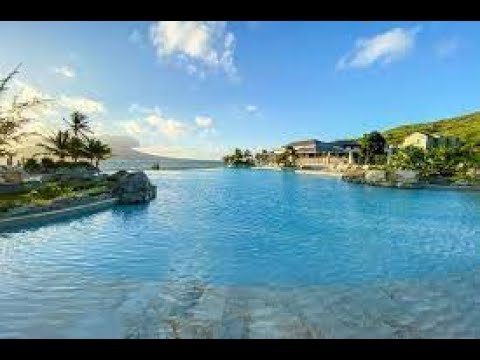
(303, 142)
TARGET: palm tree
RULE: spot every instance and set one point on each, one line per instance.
(79, 124)
(96, 150)
(57, 144)
(76, 148)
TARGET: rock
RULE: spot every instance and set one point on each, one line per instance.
(117, 176)
(405, 176)
(354, 175)
(134, 188)
(375, 176)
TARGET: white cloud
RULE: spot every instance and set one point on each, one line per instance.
(65, 71)
(133, 128)
(83, 104)
(387, 47)
(168, 127)
(135, 37)
(446, 47)
(196, 45)
(152, 122)
(204, 122)
(251, 109)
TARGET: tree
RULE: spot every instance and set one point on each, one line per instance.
(262, 156)
(96, 150)
(76, 148)
(13, 117)
(408, 158)
(247, 154)
(288, 158)
(372, 144)
(79, 124)
(238, 155)
(57, 144)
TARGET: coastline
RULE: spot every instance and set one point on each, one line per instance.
(95, 205)
(319, 172)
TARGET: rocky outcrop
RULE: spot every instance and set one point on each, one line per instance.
(133, 188)
(375, 176)
(395, 178)
(407, 177)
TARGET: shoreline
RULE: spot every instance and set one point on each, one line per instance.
(318, 172)
(95, 205)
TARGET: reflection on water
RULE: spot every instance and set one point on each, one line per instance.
(248, 254)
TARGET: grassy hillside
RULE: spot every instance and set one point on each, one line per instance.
(466, 127)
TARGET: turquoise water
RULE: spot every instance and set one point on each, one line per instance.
(216, 245)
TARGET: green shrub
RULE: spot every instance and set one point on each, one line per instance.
(32, 165)
(62, 164)
(6, 205)
(47, 163)
(50, 191)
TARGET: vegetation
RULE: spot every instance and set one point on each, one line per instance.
(45, 193)
(57, 144)
(465, 127)
(62, 145)
(13, 117)
(372, 147)
(288, 158)
(446, 162)
(95, 150)
(262, 157)
(79, 124)
(48, 165)
(239, 158)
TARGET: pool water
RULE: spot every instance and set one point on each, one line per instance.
(249, 253)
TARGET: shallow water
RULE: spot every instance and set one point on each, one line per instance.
(239, 253)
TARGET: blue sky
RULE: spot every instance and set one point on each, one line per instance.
(198, 89)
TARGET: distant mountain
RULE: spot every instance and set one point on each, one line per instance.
(465, 127)
(123, 148)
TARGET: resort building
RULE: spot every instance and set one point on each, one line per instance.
(428, 141)
(313, 152)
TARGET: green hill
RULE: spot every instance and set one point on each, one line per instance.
(465, 127)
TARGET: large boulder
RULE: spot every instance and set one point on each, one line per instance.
(133, 188)
(375, 176)
(406, 176)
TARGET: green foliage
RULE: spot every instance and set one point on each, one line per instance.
(437, 162)
(57, 144)
(372, 144)
(76, 148)
(465, 127)
(288, 158)
(408, 158)
(31, 165)
(47, 163)
(239, 158)
(50, 191)
(79, 124)
(96, 150)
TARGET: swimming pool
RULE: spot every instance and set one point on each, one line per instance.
(241, 253)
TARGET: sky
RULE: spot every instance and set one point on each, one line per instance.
(199, 89)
